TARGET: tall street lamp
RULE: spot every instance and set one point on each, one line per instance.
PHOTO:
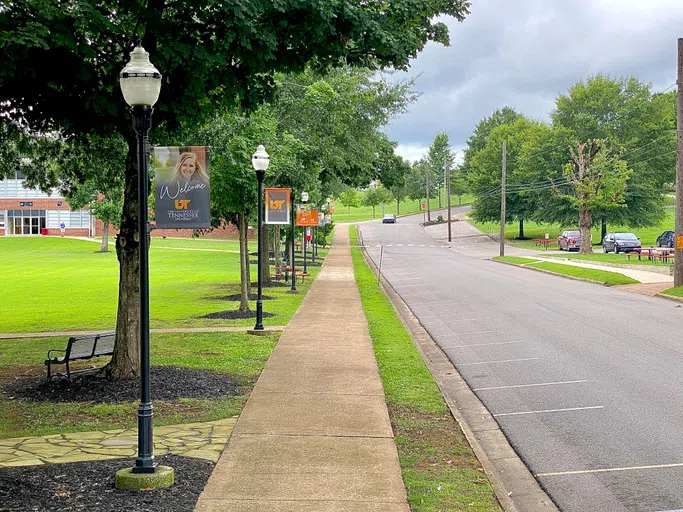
(140, 85)
(304, 199)
(292, 259)
(260, 161)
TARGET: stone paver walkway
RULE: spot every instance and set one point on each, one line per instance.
(199, 440)
(231, 328)
(315, 433)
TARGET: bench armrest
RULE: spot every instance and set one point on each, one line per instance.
(54, 350)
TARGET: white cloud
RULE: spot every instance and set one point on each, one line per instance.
(525, 53)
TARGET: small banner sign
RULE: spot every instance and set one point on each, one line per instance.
(307, 218)
(277, 205)
(679, 242)
(182, 191)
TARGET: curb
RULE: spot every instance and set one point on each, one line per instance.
(556, 274)
(669, 297)
(512, 482)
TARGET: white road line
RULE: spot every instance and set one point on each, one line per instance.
(609, 470)
(548, 410)
(432, 246)
(399, 245)
(421, 245)
(411, 245)
(532, 385)
(476, 332)
(500, 361)
(487, 344)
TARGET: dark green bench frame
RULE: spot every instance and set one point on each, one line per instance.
(80, 348)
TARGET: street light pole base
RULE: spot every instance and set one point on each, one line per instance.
(162, 478)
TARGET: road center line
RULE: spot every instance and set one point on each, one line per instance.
(486, 344)
(501, 361)
(532, 385)
(609, 470)
(547, 411)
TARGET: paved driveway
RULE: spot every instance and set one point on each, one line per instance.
(584, 380)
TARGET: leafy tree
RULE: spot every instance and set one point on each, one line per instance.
(477, 140)
(624, 111)
(415, 183)
(458, 183)
(439, 157)
(376, 196)
(598, 179)
(349, 198)
(61, 65)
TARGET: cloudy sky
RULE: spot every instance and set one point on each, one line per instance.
(524, 53)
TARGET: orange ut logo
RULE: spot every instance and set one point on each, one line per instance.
(182, 204)
(276, 204)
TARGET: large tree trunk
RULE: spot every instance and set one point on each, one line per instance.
(439, 191)
(521, 229)
(126, 358)
(265, 253)
(243, 228)
(105, 238)
(585, 223)
(603, 229)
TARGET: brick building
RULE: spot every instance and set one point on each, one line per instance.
(25, 211)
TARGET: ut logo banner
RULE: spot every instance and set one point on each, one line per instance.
(182, 204)
(277, 206)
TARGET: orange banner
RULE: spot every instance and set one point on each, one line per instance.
(307, 218)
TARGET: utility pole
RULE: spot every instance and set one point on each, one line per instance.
(448, 197)
(502, 201)
(429, 213)
(678, 260)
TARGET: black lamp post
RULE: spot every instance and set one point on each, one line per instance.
(304, 199)
(140, 85)
(260, 161)
(292, 253)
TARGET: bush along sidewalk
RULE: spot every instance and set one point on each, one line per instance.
(586, 274)
(439, 469)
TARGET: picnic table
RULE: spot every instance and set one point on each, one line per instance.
(287, 270)
(663, 254)
(543, 242)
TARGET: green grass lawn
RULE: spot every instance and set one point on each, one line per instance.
(344, 214)
(600, 276)
(676, 291)
(241, 355)
(439, 468)
(515, 260)
(56, 284)
(647, 236)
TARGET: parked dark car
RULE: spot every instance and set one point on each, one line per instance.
(569, 240)
(666, 239)
(389, 218)
(620, 242)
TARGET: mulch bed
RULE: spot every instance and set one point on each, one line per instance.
(272, 284)
(237, 297)
(168, 383)
(234, 315)
(89, 486)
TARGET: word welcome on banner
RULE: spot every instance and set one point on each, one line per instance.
(277, 205)
(182, 187)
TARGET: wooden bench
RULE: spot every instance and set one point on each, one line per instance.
(653, 254)
(302, 275)
(81, 348)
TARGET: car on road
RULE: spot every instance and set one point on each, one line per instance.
(389, 218)
(666, 239)
(569, 240)
(620, 242)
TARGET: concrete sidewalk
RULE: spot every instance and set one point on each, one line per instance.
(315, 433)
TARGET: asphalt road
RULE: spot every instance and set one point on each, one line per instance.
(585, 381)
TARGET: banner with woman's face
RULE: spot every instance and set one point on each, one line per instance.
(182, 189)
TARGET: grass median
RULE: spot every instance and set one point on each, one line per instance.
(599, 276)
(439, 468)
(237, 356)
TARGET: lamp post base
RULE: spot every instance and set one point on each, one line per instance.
(162, 478)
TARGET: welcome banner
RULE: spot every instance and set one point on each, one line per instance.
(182, 187)
(277, 206)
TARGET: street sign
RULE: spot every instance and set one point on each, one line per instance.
(277, 206)
(423, 206)
(679, 242)
(308, 234)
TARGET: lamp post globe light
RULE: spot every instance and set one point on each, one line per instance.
(140, 84)
(260, 160)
